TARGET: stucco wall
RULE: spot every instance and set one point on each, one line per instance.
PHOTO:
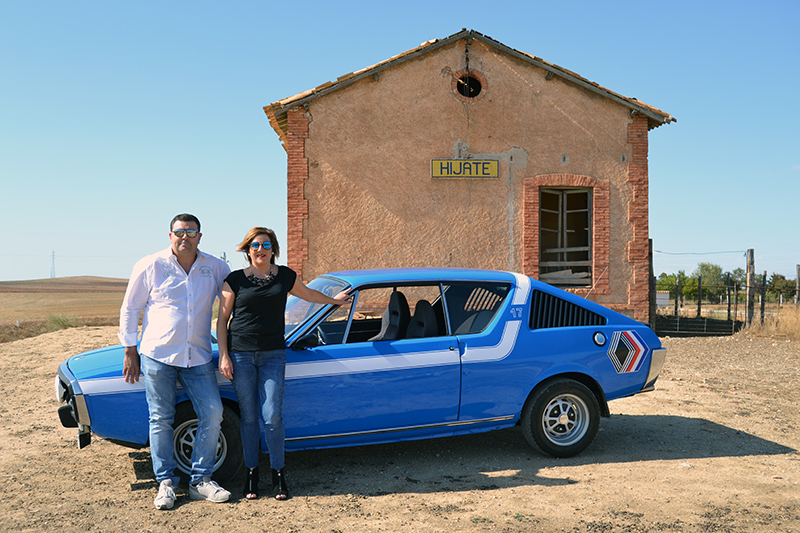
(372, 201)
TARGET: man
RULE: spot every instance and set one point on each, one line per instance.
(176, 289)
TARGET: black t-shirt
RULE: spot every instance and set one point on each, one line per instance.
(258, 311)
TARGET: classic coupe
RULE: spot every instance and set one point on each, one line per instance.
(420, 353)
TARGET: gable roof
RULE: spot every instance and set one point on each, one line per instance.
(277, 111)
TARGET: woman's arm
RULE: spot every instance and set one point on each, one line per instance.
(314, 296)
(226, 299)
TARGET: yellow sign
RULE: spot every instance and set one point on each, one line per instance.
(463, 168)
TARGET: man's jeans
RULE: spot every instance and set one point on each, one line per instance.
(200, 384)
(258, 379)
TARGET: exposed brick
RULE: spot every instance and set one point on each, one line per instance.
(296, 176)
(638, 253)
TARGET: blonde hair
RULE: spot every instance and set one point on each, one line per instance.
(244, 246)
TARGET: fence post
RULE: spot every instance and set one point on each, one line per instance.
(797, 286)
(653, 308)
(699, 295)
(728, 293)
(763, 295)
(751, 287)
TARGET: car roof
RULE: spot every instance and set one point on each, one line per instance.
(419, 275)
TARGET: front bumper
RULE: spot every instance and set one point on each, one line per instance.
(74, 413)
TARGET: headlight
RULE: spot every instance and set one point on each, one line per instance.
(61, 391)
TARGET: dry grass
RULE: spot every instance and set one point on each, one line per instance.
(32, 307)
(785, 324)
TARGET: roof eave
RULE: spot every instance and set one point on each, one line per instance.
(277, 111)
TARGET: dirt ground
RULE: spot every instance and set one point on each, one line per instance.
(713, 449)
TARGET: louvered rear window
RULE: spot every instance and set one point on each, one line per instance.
(548, 311)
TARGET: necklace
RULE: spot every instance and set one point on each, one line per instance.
(261, 281)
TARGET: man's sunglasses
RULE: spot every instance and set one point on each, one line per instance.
(179, 233)
(256, 245)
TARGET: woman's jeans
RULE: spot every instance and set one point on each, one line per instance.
(258, 379)
(200, 385)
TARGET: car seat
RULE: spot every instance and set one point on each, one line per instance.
(423, 323)
(395, 319)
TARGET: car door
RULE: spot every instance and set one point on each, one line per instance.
(360, 385)
(486, 317)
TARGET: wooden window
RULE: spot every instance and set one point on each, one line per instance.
(565, 223)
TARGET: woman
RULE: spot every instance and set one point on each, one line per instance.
(252, 352)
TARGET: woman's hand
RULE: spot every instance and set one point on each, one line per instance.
(226, 365)
(314, 296)
(343, 298)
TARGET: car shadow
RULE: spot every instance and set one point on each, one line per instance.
(502, 459)
(493, 460)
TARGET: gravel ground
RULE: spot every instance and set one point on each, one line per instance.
(714, 448)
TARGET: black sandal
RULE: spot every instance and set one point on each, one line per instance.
(279, 488)
(251, 484)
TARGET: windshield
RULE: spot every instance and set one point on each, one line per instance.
(298, 311)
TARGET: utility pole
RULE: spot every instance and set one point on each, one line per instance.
(751, 286)
(53, 266)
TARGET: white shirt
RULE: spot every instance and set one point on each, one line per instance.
(176, 328)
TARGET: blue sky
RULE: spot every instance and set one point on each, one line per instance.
(115, 116)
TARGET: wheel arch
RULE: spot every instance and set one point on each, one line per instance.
(589, 382)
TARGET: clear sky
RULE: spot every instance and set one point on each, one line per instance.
(118, 115)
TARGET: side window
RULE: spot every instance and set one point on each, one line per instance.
(471, 306)
(387, 313)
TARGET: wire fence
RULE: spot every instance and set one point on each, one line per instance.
(716, 309)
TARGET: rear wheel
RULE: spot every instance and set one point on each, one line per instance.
(561, 418)
(229, 458)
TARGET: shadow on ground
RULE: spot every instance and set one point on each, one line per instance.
(492, 460)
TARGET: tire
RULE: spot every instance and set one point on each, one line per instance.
(561, 418)
(230, 458)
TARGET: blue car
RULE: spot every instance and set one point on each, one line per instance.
(421, 353)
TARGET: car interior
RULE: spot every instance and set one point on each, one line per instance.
(384, 313)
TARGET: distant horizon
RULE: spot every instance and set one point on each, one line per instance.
(758, 271)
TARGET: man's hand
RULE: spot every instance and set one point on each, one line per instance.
(130, 366)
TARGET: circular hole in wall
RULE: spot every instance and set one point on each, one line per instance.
(469, 86)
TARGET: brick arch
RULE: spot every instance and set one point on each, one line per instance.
(601, 205)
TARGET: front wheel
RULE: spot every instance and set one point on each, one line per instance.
(229, 458)
(561, 418)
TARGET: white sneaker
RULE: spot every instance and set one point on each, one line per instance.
(208, 490)
(166, 495)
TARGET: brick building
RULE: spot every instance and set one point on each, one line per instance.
(464, 152)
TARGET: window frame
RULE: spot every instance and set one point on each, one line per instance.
(563, 229)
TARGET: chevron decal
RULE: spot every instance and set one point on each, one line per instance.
(627, 351)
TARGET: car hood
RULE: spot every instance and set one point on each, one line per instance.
(101, 363)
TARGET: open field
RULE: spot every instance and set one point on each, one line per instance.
(82, 297)
(33, 307)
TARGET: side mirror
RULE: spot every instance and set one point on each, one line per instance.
(306, 342)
